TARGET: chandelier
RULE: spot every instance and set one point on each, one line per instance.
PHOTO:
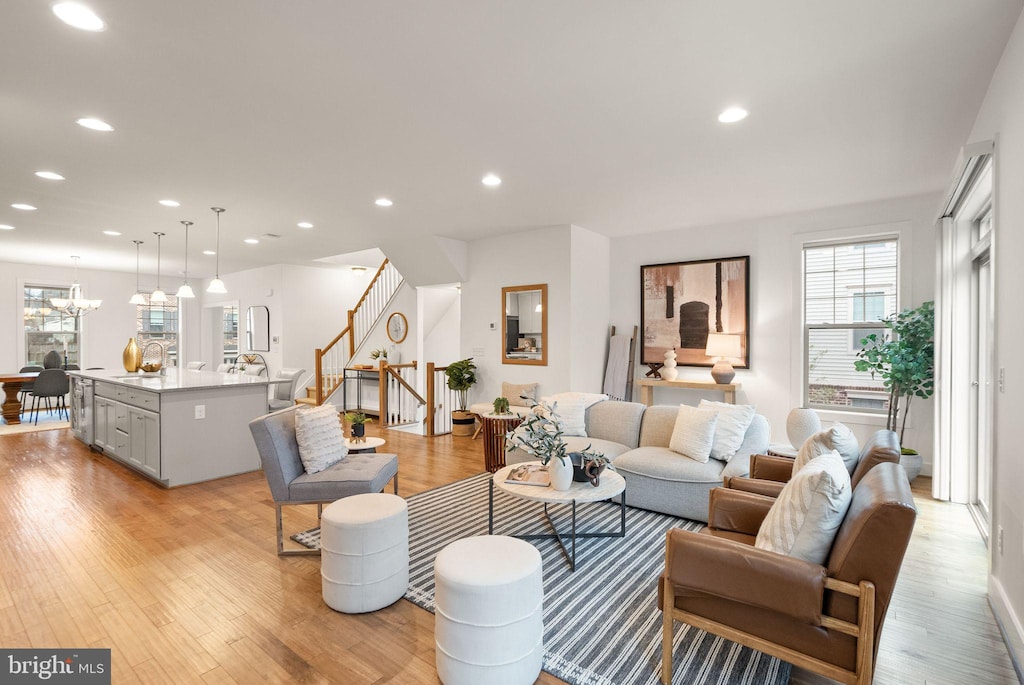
(75, 305)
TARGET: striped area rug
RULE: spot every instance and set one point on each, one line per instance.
(602, 625)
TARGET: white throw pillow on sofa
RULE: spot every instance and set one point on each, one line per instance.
(572, 410)
(806, 516)
(731, 428)
(694, 432)
(320, 438)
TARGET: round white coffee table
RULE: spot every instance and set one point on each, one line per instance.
(612, 484)
(367, 445)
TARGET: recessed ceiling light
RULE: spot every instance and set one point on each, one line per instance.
(491, 180)
(50, 175)
(383, 202)
(111, 232)
(6, 227)
(209, 252)
(95, 124)
(731, 115)
(252, 241)
(24, 207)
(305, 224)
(79, 16)
(170, 203)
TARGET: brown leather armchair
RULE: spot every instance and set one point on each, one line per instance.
(824, 618)
(768, 474)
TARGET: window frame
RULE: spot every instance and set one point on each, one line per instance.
(804, 242)
(75, 342)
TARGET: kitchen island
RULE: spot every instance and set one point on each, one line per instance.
(180, 428)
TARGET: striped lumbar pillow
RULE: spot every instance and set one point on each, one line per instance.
(320, 438)
(805, 518)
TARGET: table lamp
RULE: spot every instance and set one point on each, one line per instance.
(724, 346)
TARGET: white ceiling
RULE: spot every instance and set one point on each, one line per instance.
(599, 113)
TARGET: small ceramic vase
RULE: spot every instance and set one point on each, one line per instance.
(669, 372)
(560, 472)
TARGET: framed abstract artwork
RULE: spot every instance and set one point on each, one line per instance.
(681, 303)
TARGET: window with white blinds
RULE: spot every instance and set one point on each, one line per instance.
(849, 288)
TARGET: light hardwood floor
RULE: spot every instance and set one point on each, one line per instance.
(184, 585)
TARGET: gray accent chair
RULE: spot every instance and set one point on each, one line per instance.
(52, 360)
(289, 483)
(284, 393)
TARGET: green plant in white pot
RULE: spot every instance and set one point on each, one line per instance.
(905, 362)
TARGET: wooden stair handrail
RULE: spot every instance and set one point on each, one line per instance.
(321, 391)
(388, 368)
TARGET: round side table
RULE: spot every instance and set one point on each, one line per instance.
(367, 445)
(495, 426)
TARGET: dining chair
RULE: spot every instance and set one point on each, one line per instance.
(195, 366)
(51, 383)
(26, 387)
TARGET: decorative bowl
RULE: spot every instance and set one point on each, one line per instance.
(151, 367)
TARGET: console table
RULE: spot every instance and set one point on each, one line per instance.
(647, 386)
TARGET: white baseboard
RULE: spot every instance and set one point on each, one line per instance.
(1009, 624)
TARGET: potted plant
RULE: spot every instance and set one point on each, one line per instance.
(501, 406)
(541, 436)
(377, 355)
(905, 362)
(461, 377)
(358, 421)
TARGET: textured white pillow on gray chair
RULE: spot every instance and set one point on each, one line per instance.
(694, 432)
(731, 428)
(320, 438)
(806, 516)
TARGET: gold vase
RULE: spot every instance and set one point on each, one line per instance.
(132, 356)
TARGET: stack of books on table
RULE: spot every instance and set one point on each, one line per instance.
(529, 474)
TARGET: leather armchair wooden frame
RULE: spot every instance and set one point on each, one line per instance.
(824, 618)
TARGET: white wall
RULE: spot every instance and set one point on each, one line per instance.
(440, 324)
(1001, 118)
(537, 256)
(590, 286)
(773, 381)
(105, 332)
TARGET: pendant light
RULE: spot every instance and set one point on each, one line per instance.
(186, 290)
(158, 295)
(217, 285)
(138, 297)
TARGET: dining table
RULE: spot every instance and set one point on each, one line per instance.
(12, 386)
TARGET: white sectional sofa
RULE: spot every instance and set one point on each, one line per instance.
(636, 437)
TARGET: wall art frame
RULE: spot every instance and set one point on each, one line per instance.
(681, 302)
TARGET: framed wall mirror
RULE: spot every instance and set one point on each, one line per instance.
(524, 325)
(257, 328)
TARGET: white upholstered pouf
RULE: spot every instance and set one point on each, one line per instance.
(488, 622)
(364, 552)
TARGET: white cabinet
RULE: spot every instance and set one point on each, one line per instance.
(127, 432)
(144, 441)
(103, 423)
(529, 317)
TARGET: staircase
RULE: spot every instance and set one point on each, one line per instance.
(330, 360)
